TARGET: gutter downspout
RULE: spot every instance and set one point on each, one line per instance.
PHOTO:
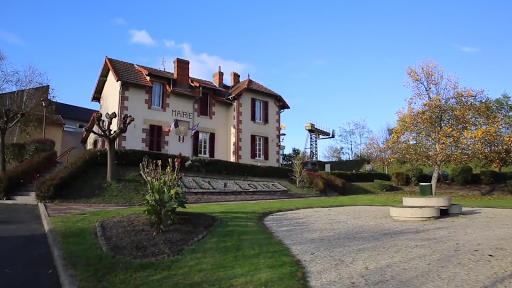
(119, 110)
(237, 131)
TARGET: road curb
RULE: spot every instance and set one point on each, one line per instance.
(65, 279)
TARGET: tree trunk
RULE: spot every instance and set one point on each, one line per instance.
(2, 151)
(16, 134)
(111, 161)
(386, 168)
(437, 168)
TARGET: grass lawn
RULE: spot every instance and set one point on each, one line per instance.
(129, 189)
(239, 252)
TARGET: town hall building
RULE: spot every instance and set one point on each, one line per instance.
(176, 113)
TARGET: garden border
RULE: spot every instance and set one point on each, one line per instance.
(104, 246)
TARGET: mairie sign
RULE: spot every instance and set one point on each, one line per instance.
(205, 184)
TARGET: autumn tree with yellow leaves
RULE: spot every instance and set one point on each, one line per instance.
(491, 140)
(439, 119)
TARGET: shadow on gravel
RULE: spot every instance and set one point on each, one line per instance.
(471, 212)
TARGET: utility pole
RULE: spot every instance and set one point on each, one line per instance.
(43, 100)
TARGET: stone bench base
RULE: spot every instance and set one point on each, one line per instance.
(427, 201)
(414, 213)
(455, 209)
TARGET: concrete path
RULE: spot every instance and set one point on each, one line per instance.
(25, 256)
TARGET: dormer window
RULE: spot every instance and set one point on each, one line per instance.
(156, 96)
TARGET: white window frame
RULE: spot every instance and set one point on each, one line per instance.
(258, 147)
(156, 102)
(258, 110)
(204, 144)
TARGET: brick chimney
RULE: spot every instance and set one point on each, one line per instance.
(235, 78)
(218, 78)
(181, 72)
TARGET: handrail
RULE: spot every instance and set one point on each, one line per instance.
(65, 153)
(53, 162)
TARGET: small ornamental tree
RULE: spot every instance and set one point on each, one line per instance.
(298, 172)
(105, 132)
(164, 195)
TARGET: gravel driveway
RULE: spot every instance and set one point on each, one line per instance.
(364, 247)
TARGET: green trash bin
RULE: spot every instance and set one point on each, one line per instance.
(425, 189)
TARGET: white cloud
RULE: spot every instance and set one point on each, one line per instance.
(204, 65)
(469, 49)
(141, 37)
(119, 21)
(11, 38)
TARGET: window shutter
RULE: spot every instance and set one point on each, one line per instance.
(265, 112)
(195, 145)
(158, 138)
(253, 109)
(151, 138)
(265, 147)
(253, 147)
(211, 143)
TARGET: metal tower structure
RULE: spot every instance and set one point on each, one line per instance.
(315, 133)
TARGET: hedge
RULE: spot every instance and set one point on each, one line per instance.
(413, 173)
(16, 153)
(23, 172)
(54, 186)
(383, 185)
(316, 182)
(461, 175)
(334, 183)
(400, 178)
(344, 165)
(216, 166)
(361, 176)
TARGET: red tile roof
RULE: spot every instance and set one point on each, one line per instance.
(136, 74)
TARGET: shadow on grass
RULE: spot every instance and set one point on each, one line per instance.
(357, 189)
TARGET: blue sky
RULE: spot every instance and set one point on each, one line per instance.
(333, 61)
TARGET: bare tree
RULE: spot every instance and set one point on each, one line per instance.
(378, 147)
(105, 132)
(20, 101)
(352, 137)
(298, 172)
(333, 153)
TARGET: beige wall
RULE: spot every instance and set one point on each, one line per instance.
(53, 132)
(252, 128)
(109, 103)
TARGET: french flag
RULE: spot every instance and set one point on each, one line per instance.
(194, 129)
(175, 125)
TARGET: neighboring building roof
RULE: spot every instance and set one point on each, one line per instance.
(136, 74)
(73, 112)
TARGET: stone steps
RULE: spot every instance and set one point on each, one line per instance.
(26, 194)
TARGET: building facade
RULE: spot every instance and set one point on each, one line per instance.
(175, 113)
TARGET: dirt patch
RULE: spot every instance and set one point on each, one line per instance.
(130, 236)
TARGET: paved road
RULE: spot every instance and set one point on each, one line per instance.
(25, 256)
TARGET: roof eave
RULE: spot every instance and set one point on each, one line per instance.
(102, 79)
(90, 125)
